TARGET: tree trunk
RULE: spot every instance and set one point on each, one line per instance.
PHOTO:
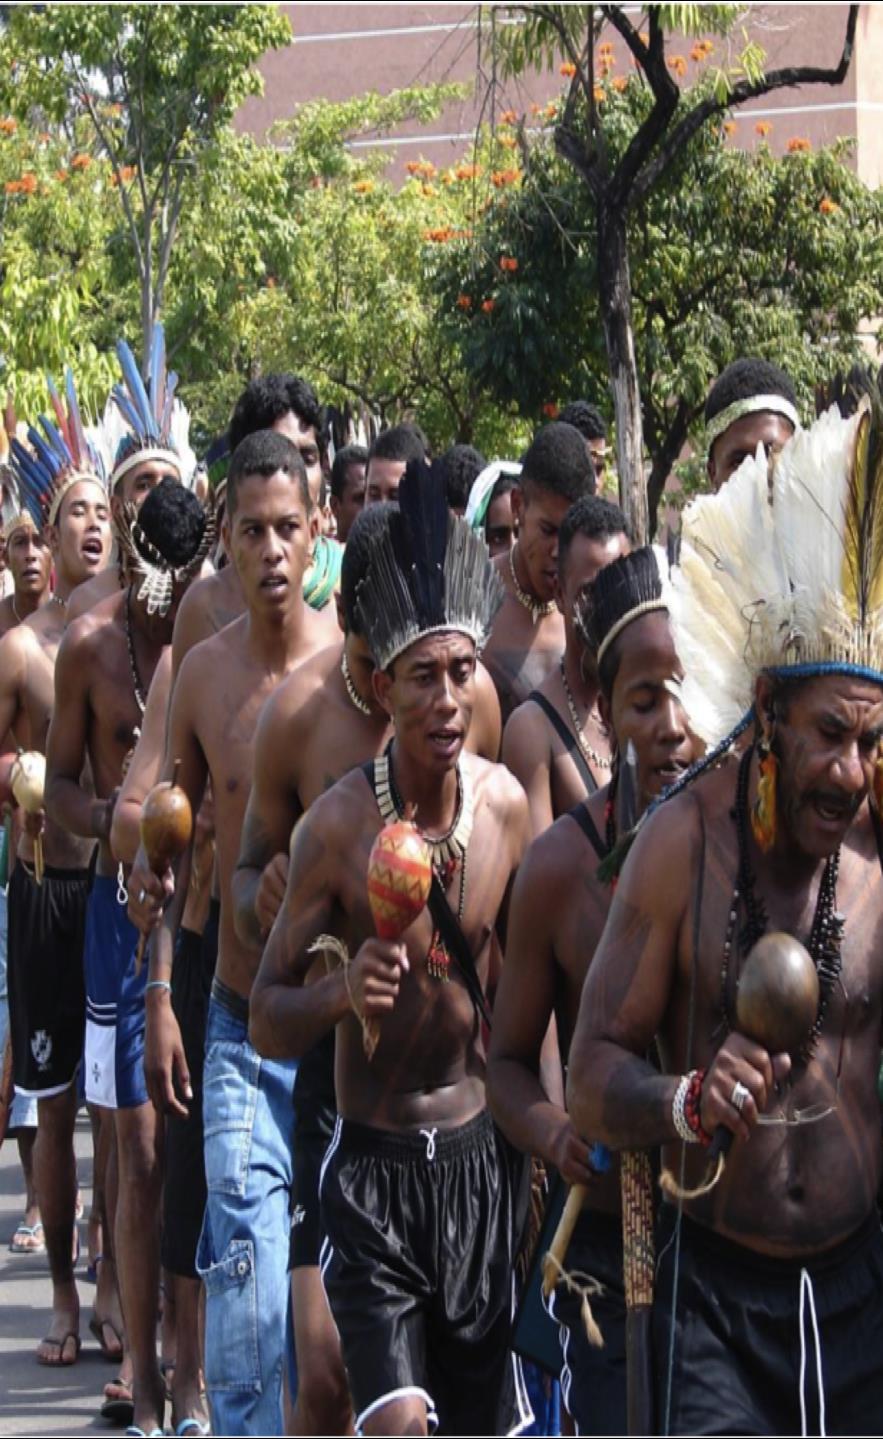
(614, 285)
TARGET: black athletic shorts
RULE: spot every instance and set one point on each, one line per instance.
(315, 1114)
(184, 1191)
(760, 1343)
(47, 991)
(422, 1230)
(593, 1381)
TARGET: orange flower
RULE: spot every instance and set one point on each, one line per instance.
(678, 65)
(508, 117)
(440, 236)
(448, 177)
(499, 178)
(508, 142)
(8, 126)
(796, 145)
(429, 190)
(413, 167)
(605, 50)
(763, 128)
(828, 206)
(508, 264)
(464, 302)
(550, 410)
(536, 109)
(568, 69)
(12, 187)
(81, 161)
(551, 110)
(599, 94)
(467, 172)
(620, 83)
(127, 173)
(729, 127)
(28, 184)
(363, 187)
(487, 306)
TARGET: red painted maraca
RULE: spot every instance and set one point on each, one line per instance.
(399, 881)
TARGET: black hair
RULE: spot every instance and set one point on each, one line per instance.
(557, 462)
(461, 465)
(264, 453)
(402, 442)
(585, 418)
(267, 399)
(593, 517)
(846, 390)
(358, 552)
(742, 380)
(503, 486)
(173, 520)
(620, 587)
(349, 455)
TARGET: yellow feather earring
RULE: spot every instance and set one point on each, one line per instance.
(763, 811)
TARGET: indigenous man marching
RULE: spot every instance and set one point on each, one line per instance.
(424, 1330)
(775, 1286)
(61, 483)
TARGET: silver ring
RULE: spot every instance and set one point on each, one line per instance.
(142, 895)
(739, 1096)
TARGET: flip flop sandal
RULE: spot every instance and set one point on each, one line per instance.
(17, 1244)
(97, 1327)
(61, 1362)
(144, 1433)
(193, 1426)
(118, 1408)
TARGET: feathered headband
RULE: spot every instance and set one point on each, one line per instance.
(144, 421)
(158, 575)
(62, 456)
(793, 584)
(429, 573)
(621, 593)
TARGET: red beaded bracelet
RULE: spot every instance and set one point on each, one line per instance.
(692, 1105)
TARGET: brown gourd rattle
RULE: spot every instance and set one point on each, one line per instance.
(166, 828)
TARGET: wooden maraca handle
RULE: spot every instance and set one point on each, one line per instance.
(553, 1259)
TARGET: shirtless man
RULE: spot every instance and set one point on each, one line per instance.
(29, 561)
(348, 488)
(221, 688)
(387, 460)
(104, 669)
(47, 922)
(751, 403)
(591, 424)
(555, 743)
(424, 1333)
(319, 725)
(288, 404)
(528, 637)
(784, 1253)
(559, 908)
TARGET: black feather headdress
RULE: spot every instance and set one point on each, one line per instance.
(429, 572)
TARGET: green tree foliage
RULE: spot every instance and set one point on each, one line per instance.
(731, 253)
(156, 85)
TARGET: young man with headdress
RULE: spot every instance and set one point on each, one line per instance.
(769, 1305)
(556, 743)
(29, 561)
(145, 431)
(752, 402)
(559, 908)
(61, 483)
(322, 722)
(424, 1326)
(288, 405)
(528, 637)
(103, 672)
(217, 697)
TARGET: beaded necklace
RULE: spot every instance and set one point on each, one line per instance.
(537, 609)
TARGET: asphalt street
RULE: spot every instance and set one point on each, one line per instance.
(34, 1399)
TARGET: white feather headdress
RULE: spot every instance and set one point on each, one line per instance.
(787, 577)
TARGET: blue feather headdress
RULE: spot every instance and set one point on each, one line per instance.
(429, 572)
(60, 457)
(145, 421)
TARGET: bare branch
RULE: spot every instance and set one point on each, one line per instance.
(792, 75)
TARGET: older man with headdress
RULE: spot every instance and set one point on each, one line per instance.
(769, 1307)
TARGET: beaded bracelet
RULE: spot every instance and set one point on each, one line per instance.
(685, 1108)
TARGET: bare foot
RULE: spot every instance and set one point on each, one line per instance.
(188, 1402)
(107, 1320)
(150, 1408)
(61, 1347)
